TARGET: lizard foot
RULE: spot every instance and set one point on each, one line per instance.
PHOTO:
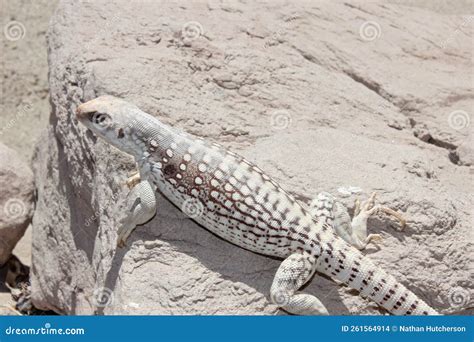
(123, 232)
(370, 208)
(292, 274)
(142, 207)
(374, 238)
(361, 214)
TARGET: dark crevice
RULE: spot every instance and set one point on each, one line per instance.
(429, 139)
(454, 157)
(404, 105)
(371, 85)
(376, 87)
(306, 55)
(441, 143)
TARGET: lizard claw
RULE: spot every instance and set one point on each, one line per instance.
(377, 238)
(369, 204)
(369, 208)
(356, 207)
(120, 243)
(395, 214)
(122, 233)
(133, 179)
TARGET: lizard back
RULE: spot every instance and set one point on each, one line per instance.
(227, 194)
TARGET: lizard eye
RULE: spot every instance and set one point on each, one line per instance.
(100, 119)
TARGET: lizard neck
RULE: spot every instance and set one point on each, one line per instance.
(147, 134)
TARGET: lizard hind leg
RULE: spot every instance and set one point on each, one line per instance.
(331, 211)
(325, 207)
(293, 273)
(359, 221)
(141, 204)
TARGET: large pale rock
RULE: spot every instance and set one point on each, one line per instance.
(306, 92)
(16, 200)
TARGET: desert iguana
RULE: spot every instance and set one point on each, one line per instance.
(238, 202)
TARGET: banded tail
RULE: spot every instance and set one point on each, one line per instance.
(351, 267)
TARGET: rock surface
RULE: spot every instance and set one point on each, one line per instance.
(322, 96)
(16, 200)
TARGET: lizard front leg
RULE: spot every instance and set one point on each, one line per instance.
(141, 204)
(293, 273)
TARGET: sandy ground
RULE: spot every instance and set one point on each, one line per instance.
(25, 84)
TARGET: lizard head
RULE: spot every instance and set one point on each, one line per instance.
(114, 120)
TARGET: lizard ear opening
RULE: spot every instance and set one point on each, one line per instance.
(120, 133)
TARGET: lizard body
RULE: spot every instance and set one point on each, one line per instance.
(233, 198)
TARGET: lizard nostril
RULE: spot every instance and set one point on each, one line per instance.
(80, 113)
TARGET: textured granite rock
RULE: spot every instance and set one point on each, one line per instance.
(16, 200)
(322, 96)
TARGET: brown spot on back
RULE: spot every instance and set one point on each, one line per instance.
(169, 170)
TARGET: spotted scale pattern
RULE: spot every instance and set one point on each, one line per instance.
(246, 207)
(237, 200)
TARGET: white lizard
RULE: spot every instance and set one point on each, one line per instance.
(241, 204)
